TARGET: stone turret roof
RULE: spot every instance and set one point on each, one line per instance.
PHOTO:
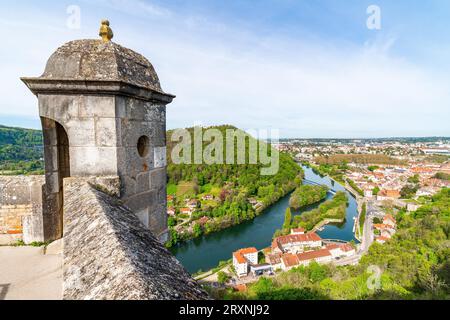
(98, 61)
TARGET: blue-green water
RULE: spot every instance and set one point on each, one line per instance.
(206, 252)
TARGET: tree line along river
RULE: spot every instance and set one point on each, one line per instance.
(207, 251)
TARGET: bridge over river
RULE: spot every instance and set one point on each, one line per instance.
(206, 252)
(307, 181)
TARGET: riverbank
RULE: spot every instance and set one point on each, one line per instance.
(359, 200)
(205, 252)
(196, 228)
(325, 222)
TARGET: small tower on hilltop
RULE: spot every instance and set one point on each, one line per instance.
(103, 113)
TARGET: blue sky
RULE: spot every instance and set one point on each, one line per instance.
(307, 68)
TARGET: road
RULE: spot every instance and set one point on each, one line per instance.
(348, 261)
(368, 237)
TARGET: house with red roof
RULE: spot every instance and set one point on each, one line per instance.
(389, 220)
(274, 259)
(388, 194)
(386, 230)
(381, 239)
(341, 250)
(243, 258)
(297, 242)
(171, 211)
(298, 231)
(203, 220)
(290, 260)
(187, 211)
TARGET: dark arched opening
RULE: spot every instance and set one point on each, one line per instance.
(57, 167)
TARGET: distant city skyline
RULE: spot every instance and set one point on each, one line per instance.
(309, 69)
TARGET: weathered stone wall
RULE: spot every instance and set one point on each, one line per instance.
(21, 208)
(110, 254)
(143, 177)
(103, 133)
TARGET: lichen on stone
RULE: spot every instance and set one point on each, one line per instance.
(109, 254)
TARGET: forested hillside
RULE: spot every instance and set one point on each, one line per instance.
(21, 151)
(227, 194)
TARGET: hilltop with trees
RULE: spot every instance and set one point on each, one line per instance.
(227, 194)
(21, 151)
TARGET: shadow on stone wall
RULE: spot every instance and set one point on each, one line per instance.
(3, 291)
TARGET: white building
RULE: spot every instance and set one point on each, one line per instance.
(341, 250)
(289, 260)
(296, 242)
(243, 258)
(412, 207)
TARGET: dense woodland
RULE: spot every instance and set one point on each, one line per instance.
(246, 176)
(306, 195)
(21, 151)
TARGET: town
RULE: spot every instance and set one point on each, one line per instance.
(383, 176)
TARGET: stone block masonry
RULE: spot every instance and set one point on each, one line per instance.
(109, 254)
(21, 209)
(103, 112)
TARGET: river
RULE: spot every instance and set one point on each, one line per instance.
(206, 252)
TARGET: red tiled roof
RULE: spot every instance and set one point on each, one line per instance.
(346, 247)
(389, 217)
(203, 220)
(247, 250)
(390, 193)
(305, 256)
(382, 226)
(381, 238)
(333, 246)
(239, 255)
(274, 258)
(289, 260)
(298, 230)
(241, 287)
(307, 237)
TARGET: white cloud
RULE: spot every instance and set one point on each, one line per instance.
(304, 87)
(135, 7)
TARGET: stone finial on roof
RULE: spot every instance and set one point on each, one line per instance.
(105, 31)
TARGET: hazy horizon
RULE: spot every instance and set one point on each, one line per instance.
(37, 127)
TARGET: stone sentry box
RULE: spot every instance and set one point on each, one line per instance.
(103, 113)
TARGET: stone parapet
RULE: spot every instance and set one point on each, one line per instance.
(110, 254)
(21, 209)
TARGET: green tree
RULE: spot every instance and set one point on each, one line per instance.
(376, 190)
(171, 221)
(222, 277)
(287, 219)
(197, 229)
